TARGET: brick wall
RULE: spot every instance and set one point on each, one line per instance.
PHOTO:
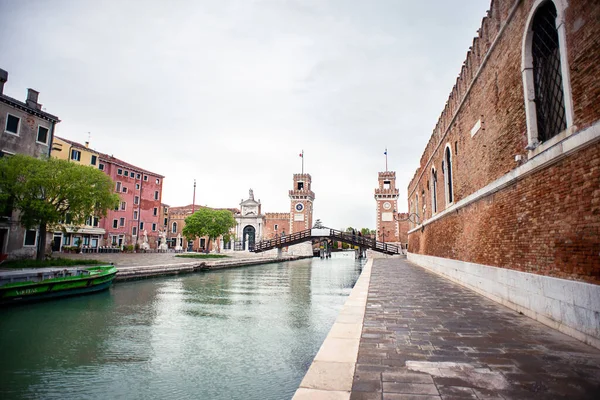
(546, 222)
(282, 220)
(402, 227)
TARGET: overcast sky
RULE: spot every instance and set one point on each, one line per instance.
(230, 92)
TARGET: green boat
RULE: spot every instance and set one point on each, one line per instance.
(44, 283)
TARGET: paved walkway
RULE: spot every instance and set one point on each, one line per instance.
(425, 337)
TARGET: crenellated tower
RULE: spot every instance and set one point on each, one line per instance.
(386, 196)
(301, 203)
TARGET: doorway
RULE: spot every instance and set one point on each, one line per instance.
(249, 237)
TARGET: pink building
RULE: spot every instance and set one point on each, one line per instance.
(140, 207)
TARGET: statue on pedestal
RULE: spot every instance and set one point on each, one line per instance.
(145, 246)
(163, 241)
(178, 243)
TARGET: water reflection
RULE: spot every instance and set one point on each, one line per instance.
(246, 333)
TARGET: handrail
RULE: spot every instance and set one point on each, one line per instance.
(346, 237)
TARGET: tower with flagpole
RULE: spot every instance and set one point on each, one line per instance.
(386, 196)
(301, 201)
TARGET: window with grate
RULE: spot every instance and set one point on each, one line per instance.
(433, 190)
(549, 97)
(447, 169)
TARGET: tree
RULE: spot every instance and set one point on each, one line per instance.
(208, 222)
(365, 231)
(44, 191)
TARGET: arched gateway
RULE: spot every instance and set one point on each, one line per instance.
(249, 237)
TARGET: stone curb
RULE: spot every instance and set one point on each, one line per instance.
(150, 271)
(331, 373)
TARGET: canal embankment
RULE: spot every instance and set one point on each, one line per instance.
(331, 373)
(129, 273)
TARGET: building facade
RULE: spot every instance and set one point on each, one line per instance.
(176, 238)
(91, 234)
(249, 222)
(25, 129)
(507, 195)
(140, 209)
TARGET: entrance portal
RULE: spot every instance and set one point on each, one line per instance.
(249, 237)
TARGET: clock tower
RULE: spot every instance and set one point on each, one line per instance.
(386, 196)
(301, 203)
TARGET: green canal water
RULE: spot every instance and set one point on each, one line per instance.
(246, 333)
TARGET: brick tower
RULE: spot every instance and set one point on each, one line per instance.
(301, 203)
(386, 196)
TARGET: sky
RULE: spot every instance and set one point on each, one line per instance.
(229, 92)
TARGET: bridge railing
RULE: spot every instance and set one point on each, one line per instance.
(346, 237)
(359, 240)
(282, 241)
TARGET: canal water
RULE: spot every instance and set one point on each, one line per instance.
(245, 333)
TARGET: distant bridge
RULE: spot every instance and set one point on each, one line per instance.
(326, 233)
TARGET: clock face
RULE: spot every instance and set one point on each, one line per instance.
(299, 207)
(387, 205)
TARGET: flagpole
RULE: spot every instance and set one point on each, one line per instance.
(386, 160)
(302, 162)
(194, 198)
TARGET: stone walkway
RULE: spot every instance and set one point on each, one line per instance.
(425, 337)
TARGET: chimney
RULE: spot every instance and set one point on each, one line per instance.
(32, 99)
(3, 79)
(87, 145)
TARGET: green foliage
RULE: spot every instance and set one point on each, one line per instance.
(58, 262)
(208, 222)
(345, 246)
(128, 248)
(365, 231)
(202, 256)
(46, 190)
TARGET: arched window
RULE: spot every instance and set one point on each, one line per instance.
(433, 191)
(174, 229)
(447, 170)
(548, 103)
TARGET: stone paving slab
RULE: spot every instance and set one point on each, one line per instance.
(425, 337)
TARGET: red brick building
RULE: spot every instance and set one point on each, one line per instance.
(507, 195)
(140, 208)
(275, 225)
(176, 222)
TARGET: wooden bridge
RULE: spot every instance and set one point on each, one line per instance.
(326, 233)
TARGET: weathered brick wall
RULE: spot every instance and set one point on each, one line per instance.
(402, 227)
(547, 222)
(282, 220)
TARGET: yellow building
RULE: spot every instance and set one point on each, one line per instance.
(67, 150)
(89, 236)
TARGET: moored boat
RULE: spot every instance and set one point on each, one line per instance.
(43, 283)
